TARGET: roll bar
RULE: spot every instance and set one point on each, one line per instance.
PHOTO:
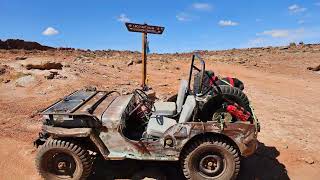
(202, 70)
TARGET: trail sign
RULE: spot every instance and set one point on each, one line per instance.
(144, 29)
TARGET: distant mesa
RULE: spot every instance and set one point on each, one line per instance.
(30, 45)
(21, 44)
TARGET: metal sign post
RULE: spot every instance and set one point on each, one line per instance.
(144, 29)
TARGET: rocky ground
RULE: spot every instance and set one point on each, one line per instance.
(282, 83)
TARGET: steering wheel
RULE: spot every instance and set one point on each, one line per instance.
(143, 101)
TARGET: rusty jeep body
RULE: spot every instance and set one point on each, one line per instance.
(132, 126)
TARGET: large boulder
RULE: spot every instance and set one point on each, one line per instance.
(21, 58)
(25, 81)
(317, 68)
(2, 69)
(45, 66)
(138, 61)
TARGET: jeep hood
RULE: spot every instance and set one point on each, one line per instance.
(82, 102)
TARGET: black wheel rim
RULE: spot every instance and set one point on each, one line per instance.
(211, 165)
(59, 164)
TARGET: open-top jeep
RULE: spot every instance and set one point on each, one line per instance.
(207, 129)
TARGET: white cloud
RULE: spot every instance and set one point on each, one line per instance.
(296, 8)
(227, 23)
(50, 31)
(183, 17)
(291, 34)
(276, 33)
(123, 18)
(256, 42)
(202, 6)
(280, 37)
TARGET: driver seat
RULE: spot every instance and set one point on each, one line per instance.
(172, 108)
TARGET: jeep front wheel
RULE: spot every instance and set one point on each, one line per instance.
(210, 159)
(58, 159)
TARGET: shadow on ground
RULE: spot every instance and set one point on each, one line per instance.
(128, 169)
(263, 165)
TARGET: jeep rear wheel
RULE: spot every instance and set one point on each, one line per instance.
(210, 159)
(58, 159)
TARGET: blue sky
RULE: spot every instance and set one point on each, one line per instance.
(190, 25)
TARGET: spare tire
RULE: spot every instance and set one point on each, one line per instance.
(220, 95)
(206, 85)
(234, 94)
(208, 80)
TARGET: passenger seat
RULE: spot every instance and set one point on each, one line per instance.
(172, 108)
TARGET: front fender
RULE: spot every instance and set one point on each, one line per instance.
(59, 132)
(66, 132)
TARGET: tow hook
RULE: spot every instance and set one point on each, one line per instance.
(41, 139)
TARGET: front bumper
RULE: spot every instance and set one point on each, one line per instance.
(42, 138)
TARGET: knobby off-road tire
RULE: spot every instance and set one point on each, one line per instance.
(221, 95)
(210, 159)
(205, 82)
(58, 159)
(234, 94)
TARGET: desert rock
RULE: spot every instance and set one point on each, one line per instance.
(25, 81)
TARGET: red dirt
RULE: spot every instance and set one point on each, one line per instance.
(284, 93)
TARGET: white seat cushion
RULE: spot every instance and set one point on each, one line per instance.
(165, 108)
(181, 94)
(187, 109)
(158, 125)
(172, 108)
